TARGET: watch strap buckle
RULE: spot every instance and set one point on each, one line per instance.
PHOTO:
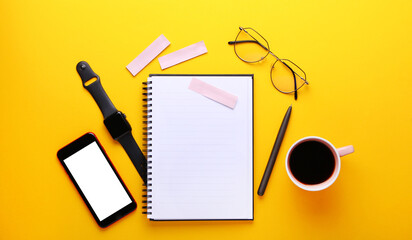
(86, 73)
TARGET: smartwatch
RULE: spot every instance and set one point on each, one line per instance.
(114, 120)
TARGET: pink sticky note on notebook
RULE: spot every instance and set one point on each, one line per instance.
(148, 55)
(213, 93)
(182, 55)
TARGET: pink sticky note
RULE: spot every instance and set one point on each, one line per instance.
(148, 55)
(182, 55)
(213, 93)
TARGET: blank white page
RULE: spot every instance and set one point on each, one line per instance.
(202, 151)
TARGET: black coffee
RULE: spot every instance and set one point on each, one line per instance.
(311, 162)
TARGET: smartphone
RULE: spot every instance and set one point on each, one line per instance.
(96, 180)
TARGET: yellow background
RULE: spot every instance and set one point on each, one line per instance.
(357, 56)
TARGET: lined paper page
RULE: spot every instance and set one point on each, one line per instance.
(202, 151)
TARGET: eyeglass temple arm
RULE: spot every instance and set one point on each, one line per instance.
(294, 79)
(248, 41)
(303, 79)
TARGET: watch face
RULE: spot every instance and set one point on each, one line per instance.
(117, 125)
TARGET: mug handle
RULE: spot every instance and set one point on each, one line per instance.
(345, 150)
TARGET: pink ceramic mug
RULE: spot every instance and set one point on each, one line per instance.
(337, 153)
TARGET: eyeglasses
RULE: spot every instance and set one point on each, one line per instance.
(251, 47)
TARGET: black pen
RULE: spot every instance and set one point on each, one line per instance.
(274, 154)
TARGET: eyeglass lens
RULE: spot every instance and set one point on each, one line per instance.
(250, 46)
(282, 76)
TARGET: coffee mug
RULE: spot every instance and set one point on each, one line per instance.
(313, 163)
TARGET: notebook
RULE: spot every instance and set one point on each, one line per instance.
(200, 152)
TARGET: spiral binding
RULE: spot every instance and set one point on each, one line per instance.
(147, 104)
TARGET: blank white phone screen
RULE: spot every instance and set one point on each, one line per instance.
(98, 182)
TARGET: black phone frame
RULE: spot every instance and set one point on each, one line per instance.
(74, 147)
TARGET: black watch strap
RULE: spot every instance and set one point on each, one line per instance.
(106, 106)
(95, 89)
(135, 154)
